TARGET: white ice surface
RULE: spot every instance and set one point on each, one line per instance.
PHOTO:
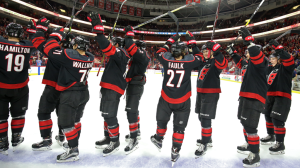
(227, 134)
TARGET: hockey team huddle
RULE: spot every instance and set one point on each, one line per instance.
(265, 89)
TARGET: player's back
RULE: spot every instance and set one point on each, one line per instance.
(14, 63)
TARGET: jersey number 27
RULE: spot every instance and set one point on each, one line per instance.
(172, 74)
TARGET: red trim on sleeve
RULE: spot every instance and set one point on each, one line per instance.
(112, 87)
(222, 65)
(14, 86)
(175, 101)
(162, 50)
(36, 42)
(132, 49)
(200, 55)
(257, 59)
(278, 93)
(49, 83)
(209, 90)
(110, 50)
(288, 62)
(253, 96)
(128, 79)
(239, 64)
(62, 88)
(49, 46)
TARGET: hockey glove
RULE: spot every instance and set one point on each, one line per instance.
(215, 47)
(230, 50)
(42, 24)
(129, 31)
(190, 38)
(58, 33)
(31, 27)
(173, 39)
(246, 35)
(96, 21)
(275, 45)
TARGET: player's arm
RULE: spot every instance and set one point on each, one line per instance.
(98, 28)
(191, 43)
(166, 47)
(287, 59)
(236, 58)
(220, 61)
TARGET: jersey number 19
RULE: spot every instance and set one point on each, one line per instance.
(18, 64)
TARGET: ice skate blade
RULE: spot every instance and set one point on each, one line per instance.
(4, 152)
(208, 145)
(115, 150)
(138, 138)
(73, 159)
(243, 152)
(135, 148)
(266, 143)
(197, 157)
(100, 146)
(159, 149)
(173, 164)
(253, 165)
(42, 149)
(277, 153)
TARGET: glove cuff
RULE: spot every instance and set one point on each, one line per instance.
(30, 31)
(42, 27)
(191, 42)
(278, 47)
(216, 47)
(59, 36)
(249, 38)
(99, 28)
(130, 34)
(171, 40)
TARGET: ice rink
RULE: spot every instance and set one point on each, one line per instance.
(227, 134)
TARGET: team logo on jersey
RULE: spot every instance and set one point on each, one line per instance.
(272, 76)
(204, 71)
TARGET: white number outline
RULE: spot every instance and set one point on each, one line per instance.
(85, 73)
(171, 72)
(19, 64)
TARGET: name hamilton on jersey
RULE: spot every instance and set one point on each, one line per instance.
(176, 65)
(14, 49)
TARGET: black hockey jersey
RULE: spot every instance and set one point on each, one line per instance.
(176, 86)
(115, 71)
(14, 63)
(209, 72)
(74, 67)
(139, 61)
(240, 63)
(280, 76)
(254, 82)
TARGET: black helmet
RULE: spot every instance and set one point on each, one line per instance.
(203, 48)
(83, 44)
(67, 41)
(14, 30)
(179, 49)
(141, 44)
(117, 40)
(274, 56)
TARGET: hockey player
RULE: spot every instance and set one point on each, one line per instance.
(278, 101)
(15, 54)
(175, 94)
(50, 97)
(136, 80)
(208, 88)
(252, 96)
(72, 82)
(112, 84)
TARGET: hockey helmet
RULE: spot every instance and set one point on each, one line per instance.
(179, 49)
(274, 56)
(141, 44)
(14, 30)
(66, 43)
(83, 44)
(117, 40)
(203, 48)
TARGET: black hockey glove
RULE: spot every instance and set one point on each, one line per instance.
(129, 32)
(230, 50)
(58, 33)
(96, 21)
(215, 47)
(42, 24)
(31, 27)
(246, 35)
(275, 45)
(190, 38)
(173, 39)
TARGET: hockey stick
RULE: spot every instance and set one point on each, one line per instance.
(165, 14)
(214, 28)
(50, 5)
(116, 19)
(279, 37)
(175, 19)
(72, 17)
(250, 19)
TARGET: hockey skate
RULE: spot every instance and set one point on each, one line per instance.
(127, 137)
(209, 144)
(132, 146)
(69, 156)
(268, 140)
(4, 145)
(16, 140)
(253, 160)
(156, 142)
(277, 149)
(244, 149)
(201, 150)
(65, 146)
(174, 155)
(102, 143)
(111, 148)
(44, 145)
(60, 138)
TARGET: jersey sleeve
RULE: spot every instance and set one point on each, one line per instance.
(220, 61)
(287, 59)
(131, 48)
(38, 40)
(197, 52)
(239, 60)
(256, 56)
(105, 45)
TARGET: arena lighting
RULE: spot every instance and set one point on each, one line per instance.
(62, 10)
(210, 26)
(272, 32)
(295, 7)
(160, 33)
